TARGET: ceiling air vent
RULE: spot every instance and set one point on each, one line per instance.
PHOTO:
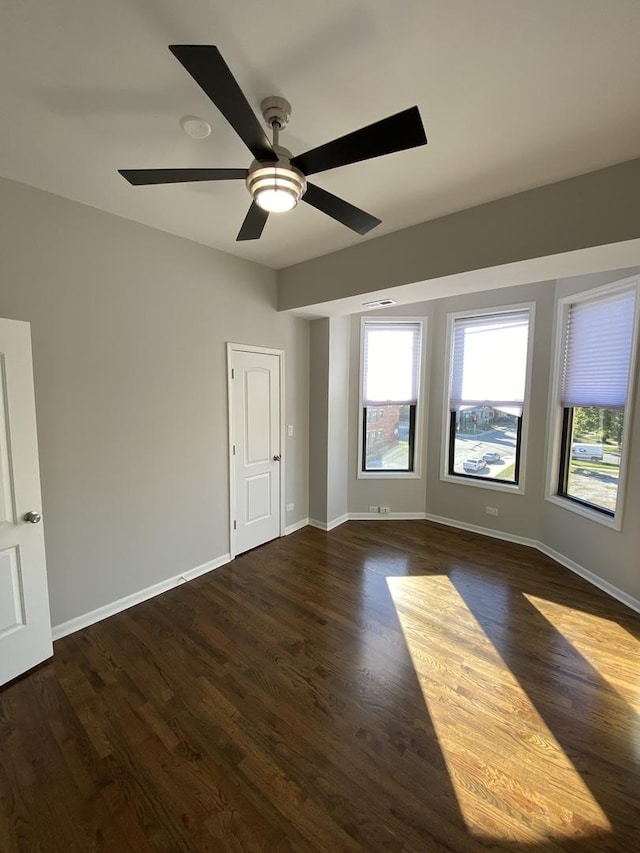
(380, 303)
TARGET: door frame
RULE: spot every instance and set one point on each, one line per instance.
(231, 348)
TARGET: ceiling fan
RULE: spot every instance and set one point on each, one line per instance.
(276, 179)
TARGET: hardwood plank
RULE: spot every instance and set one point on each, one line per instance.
(395, 686)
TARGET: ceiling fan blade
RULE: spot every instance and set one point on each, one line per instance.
(212, 74)
(253, 223)
(139, 177)
(351, 216)
(395, 133)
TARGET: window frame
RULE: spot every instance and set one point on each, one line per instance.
(417, 420)
(523, 428)
(557, 424)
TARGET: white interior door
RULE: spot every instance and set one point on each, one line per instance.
(25, 626)
(255, 448)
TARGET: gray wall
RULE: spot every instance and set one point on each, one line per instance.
(338, 418)
(129, 327)
(318, 420)
(596, 209)
(329, 419)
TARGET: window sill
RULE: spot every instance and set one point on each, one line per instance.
(493, 485)
(389, 475)
(613, 523)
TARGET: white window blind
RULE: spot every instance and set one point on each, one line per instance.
(489, 362)
(391, 363)
(597, 351)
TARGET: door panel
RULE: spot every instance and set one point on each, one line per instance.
(258, 426)
(257, 497)
(7, 510)
(11, 601)
(25, 626)
(255, 423)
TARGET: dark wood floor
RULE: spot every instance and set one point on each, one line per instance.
(394, 686)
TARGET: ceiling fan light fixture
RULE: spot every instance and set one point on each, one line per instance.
(276, 187)
(275, 199)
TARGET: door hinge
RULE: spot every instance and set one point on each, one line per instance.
(233, 373)
(235, 525)
(234, 450)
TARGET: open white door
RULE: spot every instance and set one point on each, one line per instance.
(255, 453)
(25, 626)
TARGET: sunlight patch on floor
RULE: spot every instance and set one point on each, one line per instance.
(586, 635)
(508, 770)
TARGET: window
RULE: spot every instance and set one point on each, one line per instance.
(597, 348)
(390, 387)
(487, 392)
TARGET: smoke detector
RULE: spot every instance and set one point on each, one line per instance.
(196, 128)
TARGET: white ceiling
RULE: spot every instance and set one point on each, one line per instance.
(513, 94)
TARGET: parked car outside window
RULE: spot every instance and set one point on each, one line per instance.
(474, 464)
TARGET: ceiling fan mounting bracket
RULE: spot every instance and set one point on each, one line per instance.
(276, 111)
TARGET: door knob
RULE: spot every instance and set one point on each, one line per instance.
(277, 457)
(32, 517)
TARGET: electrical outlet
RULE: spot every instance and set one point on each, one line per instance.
(374, 509)
(385, 509)
(491, 510)
(290, 507)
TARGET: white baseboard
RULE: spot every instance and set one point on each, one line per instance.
(297, 525)
(483, 531)
(100, 613)
(574, 567)
(387, 516)
(366, 516)
(592, 578)
(328, 525)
